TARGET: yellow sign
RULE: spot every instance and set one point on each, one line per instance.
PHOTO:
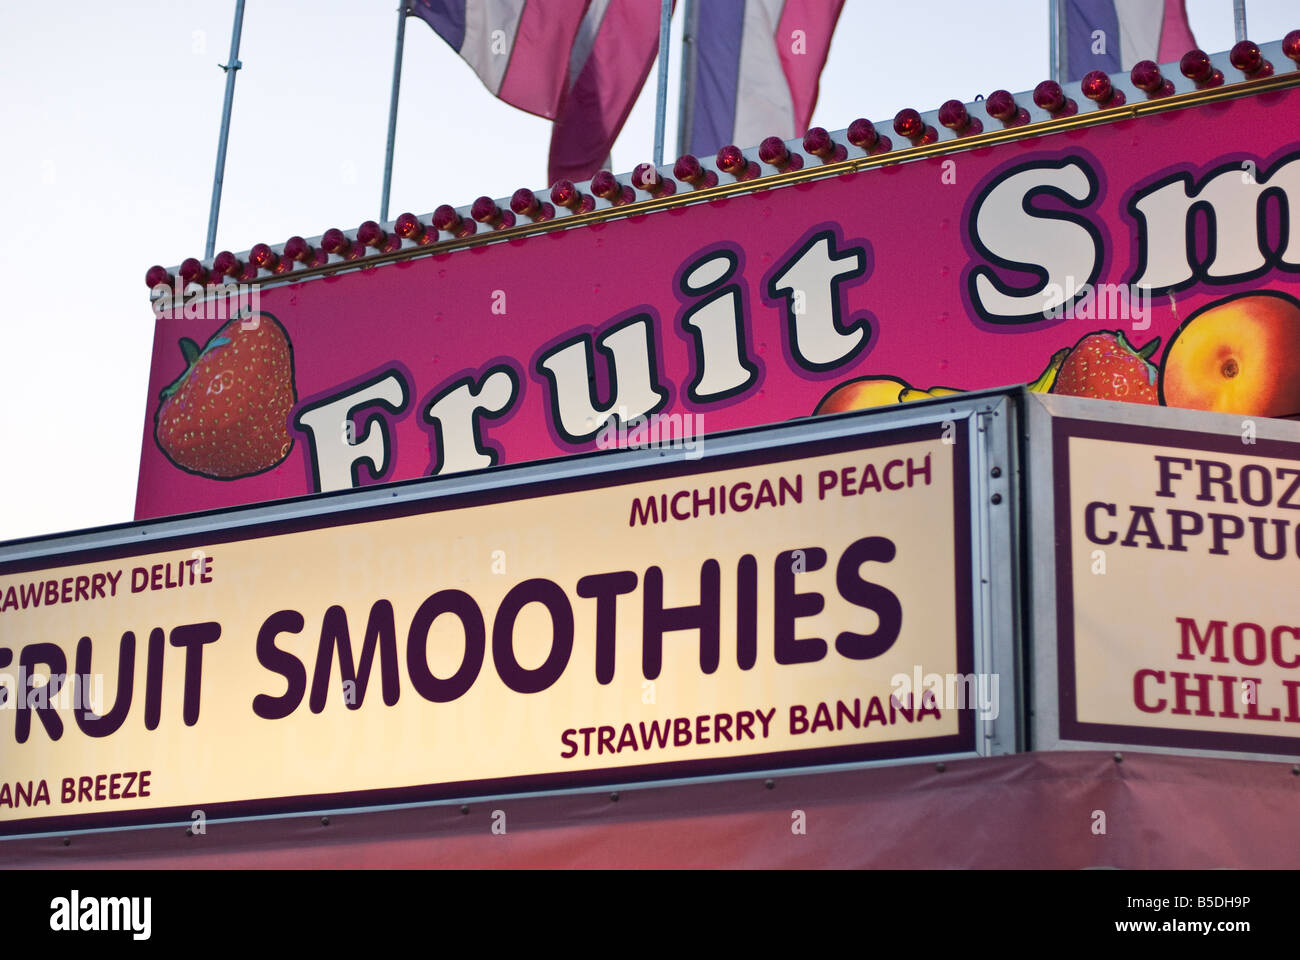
(1176, 588)
(714, 616)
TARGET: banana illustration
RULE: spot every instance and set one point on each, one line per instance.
(1048, 377)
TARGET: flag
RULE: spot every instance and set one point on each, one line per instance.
(519, 48)
(752, 69)
(1114, 35)
(615, 48)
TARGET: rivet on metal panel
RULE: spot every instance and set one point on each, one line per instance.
(324, 821)
(1295, 771)
(67, 841)
(995, 472)
(1119, 758)
(941, 767)
(613, 798)
(996, 498)
(770, 784)
(464, 808)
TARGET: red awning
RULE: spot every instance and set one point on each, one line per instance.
(1036, 810)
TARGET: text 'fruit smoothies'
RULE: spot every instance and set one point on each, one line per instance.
(781, 601)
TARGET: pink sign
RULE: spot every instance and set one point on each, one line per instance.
(1152, 259)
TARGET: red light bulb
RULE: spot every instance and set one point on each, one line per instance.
(409, 227)
(296, 248)
(564, 193)
(226, 264)
(1049, 96)
(1195, 65)
(334, 242)
(819, 143)
(816, 141)
(447, 220)
(1146, 76)
(862, 133)
(525, 203)
(689, 170)
(1291, 47)
(954, 115)
(604, 184)
(731, 159)
(263, 257)
(645, 176)
(157, 276)
(1001, 105)
(1097, 87)
(1246, 57)
(908, 123)
(486, 211)
(775, 153)
(371, 234)
(192, 271)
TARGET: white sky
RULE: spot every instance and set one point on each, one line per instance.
(110, 115)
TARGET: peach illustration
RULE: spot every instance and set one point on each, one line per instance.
(861, 393)
(1240, 355)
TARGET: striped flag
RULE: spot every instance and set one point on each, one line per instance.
(519, 48)
(1113, 35)
(752, 69)
(615, 48)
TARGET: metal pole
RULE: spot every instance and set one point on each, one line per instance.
(392, 111)
(661, 105)
(1239, 18)
(1054, 38)
(686, 91)
(231, 68)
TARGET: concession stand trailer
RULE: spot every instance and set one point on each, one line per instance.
(917, 494)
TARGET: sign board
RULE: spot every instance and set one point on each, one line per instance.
(1177, 543)
(988, 261)
(628, 617)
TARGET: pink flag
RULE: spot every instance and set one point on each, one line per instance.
(520, 49)
(612, 55)
(753, 69)
(1175, 32)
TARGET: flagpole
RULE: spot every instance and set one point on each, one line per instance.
(1239, 18)
(231, 68)
(685, 97)
(661, 104)
(392, 111)
(1054, 31)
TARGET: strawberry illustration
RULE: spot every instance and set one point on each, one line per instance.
(1104, 366)
(227, 415)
